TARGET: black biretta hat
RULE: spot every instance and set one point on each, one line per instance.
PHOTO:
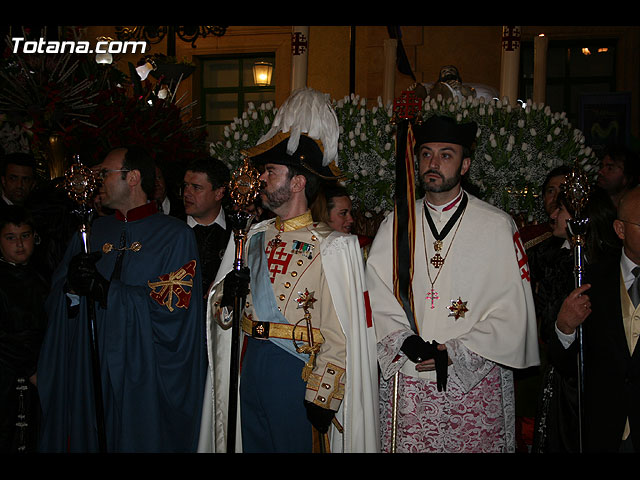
(443, 129)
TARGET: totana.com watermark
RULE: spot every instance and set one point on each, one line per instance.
(20, 45)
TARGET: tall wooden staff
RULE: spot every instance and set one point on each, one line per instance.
(406, 107)
(243, 189)
(80, 184)
(577, 189)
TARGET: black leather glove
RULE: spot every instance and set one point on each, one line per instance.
(236, 285)
(84, 279)
(319, 417)
(442, 368)
(417, 350)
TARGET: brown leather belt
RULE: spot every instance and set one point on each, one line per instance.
(265, 330)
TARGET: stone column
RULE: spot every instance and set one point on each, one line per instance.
(540, 69)
(299, 61)
(510, 64)
(389, 78)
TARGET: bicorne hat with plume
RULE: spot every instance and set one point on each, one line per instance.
(304, 133)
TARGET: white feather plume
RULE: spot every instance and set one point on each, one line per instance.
(310, 112)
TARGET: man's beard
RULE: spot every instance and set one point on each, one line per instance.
(277, 198)
(446, 185)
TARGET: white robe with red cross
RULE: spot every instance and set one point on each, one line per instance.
(479, 304)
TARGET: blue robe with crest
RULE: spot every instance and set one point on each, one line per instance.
(150, 341)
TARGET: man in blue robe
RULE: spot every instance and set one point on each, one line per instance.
(144, 279)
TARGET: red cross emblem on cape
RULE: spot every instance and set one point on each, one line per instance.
(173, 285)
(521, 255)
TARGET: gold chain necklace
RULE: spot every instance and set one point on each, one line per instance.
(432, 294)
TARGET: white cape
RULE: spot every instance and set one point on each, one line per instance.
(358, 413)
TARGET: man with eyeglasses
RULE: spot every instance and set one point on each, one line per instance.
(143, 278)
(609, 305)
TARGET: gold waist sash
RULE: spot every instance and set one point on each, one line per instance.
(287, 331)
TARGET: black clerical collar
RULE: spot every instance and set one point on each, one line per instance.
(138, 213)
(461, 205)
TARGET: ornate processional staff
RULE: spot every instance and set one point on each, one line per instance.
(577, 190)
(244, 187)
(80, 184)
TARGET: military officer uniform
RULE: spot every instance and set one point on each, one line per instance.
(308, 359)
(288, 289)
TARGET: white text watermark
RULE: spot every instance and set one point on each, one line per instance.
(20, 45)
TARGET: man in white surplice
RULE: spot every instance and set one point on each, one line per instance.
(472, 298)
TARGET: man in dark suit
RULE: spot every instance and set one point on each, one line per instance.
(204, 188)
(48, 205)
(619, 172)
(608, 306)
(18, 178)
(168, 201)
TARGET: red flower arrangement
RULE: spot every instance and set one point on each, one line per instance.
(91, 108)
(162, 127)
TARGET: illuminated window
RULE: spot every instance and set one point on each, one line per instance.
(228, 87)
(573, 68)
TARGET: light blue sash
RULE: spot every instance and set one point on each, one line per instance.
(264, 302)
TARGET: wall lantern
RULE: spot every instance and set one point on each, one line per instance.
(105, 57)
(262, 73)
(145, 67)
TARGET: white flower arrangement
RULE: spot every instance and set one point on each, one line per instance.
(243, 133)
(516, 148)
(366, 152)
